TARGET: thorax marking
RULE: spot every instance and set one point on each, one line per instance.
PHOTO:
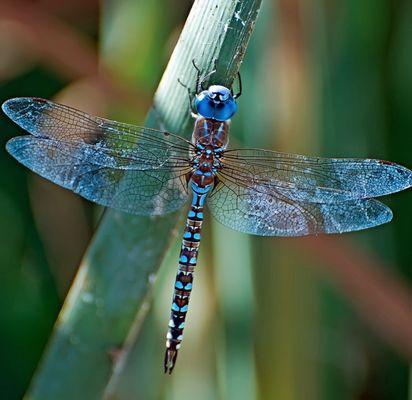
(210, 138)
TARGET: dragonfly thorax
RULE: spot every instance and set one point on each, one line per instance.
(216, 103)
(211, 134)
(210, 138)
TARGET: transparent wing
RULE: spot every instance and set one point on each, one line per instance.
(145, 192)
(312, 179)
(131, 168)
(259, 211)
(111, 143)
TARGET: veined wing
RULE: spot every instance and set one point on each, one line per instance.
(134, 169)
(68, 164)
(109, 143)
(265, 213)
(313, 179)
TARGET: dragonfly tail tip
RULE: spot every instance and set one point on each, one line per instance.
(170, 360)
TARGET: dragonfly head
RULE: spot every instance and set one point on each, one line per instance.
(216, 103)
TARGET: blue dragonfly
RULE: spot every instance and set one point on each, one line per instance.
(146, 171)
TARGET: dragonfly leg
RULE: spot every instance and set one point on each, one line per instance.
(199, 87)
(200, 80)
(190, 95)
(204, 78)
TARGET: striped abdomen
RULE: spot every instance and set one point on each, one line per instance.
(184, 277)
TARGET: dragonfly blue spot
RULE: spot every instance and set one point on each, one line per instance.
(184, 308)
(181, 326)
(199, 215)
(193, 260)
(179, 285)
(175, 307)
(183, 259)
(187, 235)
(188, 286)
(191, 214)
(196, 236)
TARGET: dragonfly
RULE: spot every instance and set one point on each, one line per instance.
(147, 171)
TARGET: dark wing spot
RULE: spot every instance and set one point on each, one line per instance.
(94, 136)
(39, 100)
(386, 162)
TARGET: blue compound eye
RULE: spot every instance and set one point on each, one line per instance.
(216, 103)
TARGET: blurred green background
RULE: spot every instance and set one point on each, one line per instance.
(317, 318)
